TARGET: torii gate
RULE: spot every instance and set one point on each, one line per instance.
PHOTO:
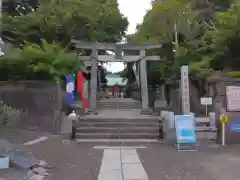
(119, 56)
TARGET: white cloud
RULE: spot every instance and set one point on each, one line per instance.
(114, 66)
(134, 10)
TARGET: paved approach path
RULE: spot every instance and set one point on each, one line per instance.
(155, 161)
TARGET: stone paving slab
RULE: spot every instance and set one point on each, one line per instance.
(122, 164)
(134, 172)
(130, 156)
(111, 175)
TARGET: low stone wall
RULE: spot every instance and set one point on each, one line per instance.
(40, 103)
(202, 131)
(218, 84)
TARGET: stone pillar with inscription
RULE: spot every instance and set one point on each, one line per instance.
(185, 90)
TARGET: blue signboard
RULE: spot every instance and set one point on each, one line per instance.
(234, 125)
(70, 86)
(185, 129)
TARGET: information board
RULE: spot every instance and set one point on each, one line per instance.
(233, 98)
(185, 129)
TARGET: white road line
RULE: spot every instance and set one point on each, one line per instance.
(121, 164)
(36, 141)
(119, 147)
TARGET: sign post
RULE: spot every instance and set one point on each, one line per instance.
(185, 132)
(224, 120)
(206, 101)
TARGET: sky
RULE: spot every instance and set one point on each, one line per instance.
(134, 10)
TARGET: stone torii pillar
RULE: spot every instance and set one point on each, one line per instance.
(94, 80)
(143, 81)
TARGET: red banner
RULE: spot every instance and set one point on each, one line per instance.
(80, 89)
(80, 83)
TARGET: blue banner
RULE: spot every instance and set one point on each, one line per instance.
(185, 129)
(234, 125)
(70, 87)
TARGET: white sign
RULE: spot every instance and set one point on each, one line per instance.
(206, 101)
(233, 98)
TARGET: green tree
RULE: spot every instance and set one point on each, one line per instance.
(35, 62)
(158, 25)
(62, 20)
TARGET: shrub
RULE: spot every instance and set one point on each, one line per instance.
(8, 115)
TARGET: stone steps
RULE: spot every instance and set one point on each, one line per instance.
(118, 104)
(119, 128)
(203, 125)
(116, 135)
(116, 142)
(115, 124)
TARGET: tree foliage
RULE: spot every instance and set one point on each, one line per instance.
(42, 30)
(35, 62)
(19, 7)
(208, 37)
(62, 20)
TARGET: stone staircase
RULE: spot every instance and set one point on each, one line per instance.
(118, 103)
(203, 125)
(114, 125)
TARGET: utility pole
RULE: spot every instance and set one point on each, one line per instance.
(1, 41)
(176, 37)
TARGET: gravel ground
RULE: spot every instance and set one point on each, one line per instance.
(161, 162)
(69, 161)
(209, 163)
(20, 136)
(17, 138)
